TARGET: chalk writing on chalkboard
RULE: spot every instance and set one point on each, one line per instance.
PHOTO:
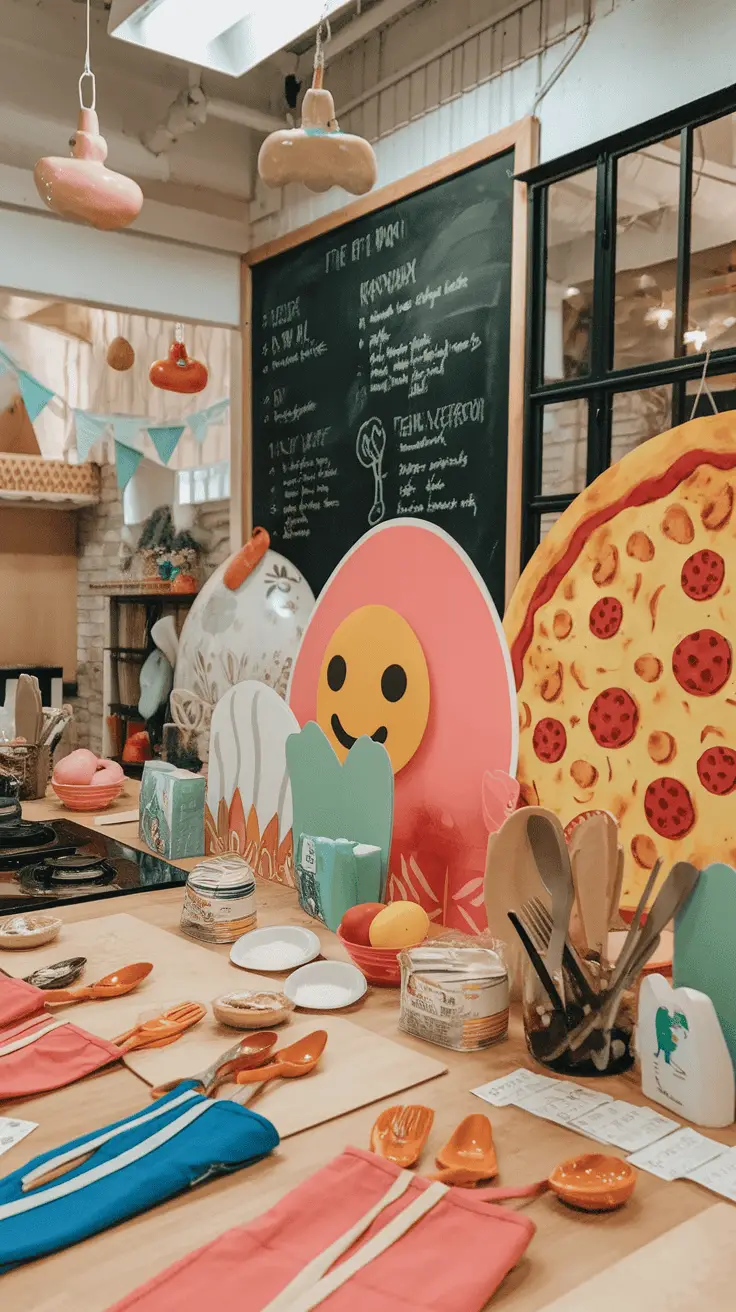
(380, 376)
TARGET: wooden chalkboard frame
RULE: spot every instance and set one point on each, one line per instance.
(522, 137)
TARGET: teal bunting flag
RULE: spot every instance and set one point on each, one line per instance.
(201, 422)
(128, 430)
(89, 428)
(35, 396)
(165, 440)
(127, 461)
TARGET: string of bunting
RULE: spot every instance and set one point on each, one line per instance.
(127, 430)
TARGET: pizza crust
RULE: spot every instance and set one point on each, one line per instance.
(621, 632)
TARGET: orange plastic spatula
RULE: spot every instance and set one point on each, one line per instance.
(469, 1154)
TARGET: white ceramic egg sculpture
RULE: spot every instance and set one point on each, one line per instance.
(233, 633)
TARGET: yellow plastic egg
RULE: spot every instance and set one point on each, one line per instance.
(399, 925)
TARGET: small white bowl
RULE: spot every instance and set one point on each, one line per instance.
(326, 986)
(28, 931)
(279, 947)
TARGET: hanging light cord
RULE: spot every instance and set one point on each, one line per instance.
(87, 71)
(324, 34)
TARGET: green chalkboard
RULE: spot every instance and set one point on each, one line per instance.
(380, 375)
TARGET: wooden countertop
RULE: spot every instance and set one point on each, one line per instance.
(568, 1248)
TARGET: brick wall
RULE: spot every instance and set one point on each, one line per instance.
(100, 528)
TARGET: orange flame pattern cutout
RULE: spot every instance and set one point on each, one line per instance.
(231, 834)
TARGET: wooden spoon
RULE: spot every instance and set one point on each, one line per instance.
(594, 1182)
(289, 1063)
(162, 1029)
(469, 1155)
(110, 986)
(250, 1051)
(400, 1133)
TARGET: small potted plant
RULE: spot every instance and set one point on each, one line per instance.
(173, 556)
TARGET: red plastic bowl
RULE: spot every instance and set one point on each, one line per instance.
(87, 797)
(379, 965)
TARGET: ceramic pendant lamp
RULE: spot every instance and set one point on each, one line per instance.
(82, 187)
(318, 154)
(179, 373)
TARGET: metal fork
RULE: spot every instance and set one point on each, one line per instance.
(538, 922)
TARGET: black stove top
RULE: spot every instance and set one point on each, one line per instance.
(43, 864)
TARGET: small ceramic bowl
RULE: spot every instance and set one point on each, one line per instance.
(252, 1011)
(28, 931)
(594, 1182)
(87, 797)
(379, 965)
(325, 986)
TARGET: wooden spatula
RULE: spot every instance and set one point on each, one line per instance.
(28, 712)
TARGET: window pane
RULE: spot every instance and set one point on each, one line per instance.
(721, 387)
(546, 521)
(569, 290)
(647, 204)
(712, 307)
(638, 416)
(564, 447)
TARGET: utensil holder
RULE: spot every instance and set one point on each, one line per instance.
(544, 1028)
(30, 764)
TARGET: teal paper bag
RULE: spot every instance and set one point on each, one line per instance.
(353, 801)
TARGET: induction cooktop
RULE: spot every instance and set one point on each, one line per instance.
(42, 864)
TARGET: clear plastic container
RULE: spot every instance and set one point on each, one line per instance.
(219, 900)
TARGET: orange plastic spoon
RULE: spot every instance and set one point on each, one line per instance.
(162, 1029)
(469, 1155)
(289, 1063)
(110, 986)
(400, 1133)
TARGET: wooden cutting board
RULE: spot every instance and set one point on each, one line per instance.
(183, 971)
(357, 1067)
(689, 1268)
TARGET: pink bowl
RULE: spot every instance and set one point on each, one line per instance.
(379, 965)
(87, 797)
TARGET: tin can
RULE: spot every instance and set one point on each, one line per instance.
(219, 900)
(456, 997)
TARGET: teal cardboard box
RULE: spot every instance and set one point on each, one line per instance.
(171, 810)
(334, 874)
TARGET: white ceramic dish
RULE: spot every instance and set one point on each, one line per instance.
(28, 931)
(280, 947)
(326, 986)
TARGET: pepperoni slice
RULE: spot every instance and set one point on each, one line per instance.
(701, 663)
(606, 617)
(717, 770)
(702, 574)
(613, 717)
(669, 808)
(549, 740)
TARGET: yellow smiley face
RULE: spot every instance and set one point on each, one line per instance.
(374, 680)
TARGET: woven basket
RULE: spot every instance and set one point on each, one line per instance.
(30, 765)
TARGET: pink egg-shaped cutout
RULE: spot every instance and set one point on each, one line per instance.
(76, 768)
(439, 835)
(108, 772)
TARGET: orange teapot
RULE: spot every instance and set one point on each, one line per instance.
(179, 372)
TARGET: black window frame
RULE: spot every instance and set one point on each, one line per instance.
(602, 382)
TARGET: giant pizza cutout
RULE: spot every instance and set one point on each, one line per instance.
(621, 631)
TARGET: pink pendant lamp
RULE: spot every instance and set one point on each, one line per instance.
(82, 187)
